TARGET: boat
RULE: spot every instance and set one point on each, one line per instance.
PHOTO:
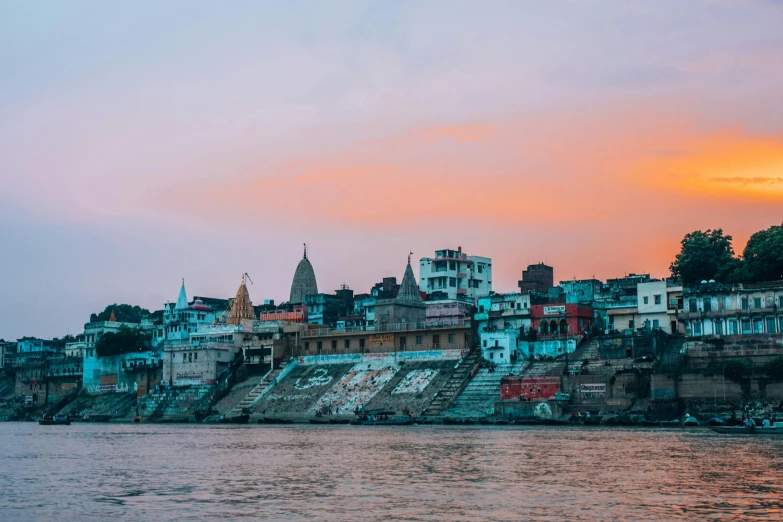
(98, 418)
(398, 421)
(319, 421)
(182, 420)
(485, 421)
(501, 422)
(775, 429)
(274, 420)
(236, 419)
(555, 422)
(690, 421)
(649, 423)
(423, 420)
(339, 421)
(57, 420)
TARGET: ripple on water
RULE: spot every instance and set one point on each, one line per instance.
(411, 473)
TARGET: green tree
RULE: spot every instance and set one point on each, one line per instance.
(125, 340)
(774, 368)
(123, 313)
(763, 255)
(706, 255)
(736, 370)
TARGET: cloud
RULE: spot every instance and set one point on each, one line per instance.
(748, 181)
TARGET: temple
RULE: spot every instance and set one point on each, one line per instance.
(242, 306)
(304, 282)
(408, 307)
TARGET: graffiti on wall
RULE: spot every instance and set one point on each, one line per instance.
(415, 382)
(355, 389)
(96, 389)
(320, 377)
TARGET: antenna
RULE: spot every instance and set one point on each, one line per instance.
(305, 250)
(409, 257)
(246, 275)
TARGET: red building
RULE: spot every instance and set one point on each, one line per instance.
(529, 388)
(561, 319)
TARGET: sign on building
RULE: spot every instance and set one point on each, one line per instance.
(382, 339)
(592, 388)
(554, 310)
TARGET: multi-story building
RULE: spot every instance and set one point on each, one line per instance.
(538, 278)
(744, 309)
(501, 320)
(455, 275)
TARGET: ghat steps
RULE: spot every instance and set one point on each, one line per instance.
(480, 394)
(455, 384)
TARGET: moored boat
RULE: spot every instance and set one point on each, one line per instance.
(775, 429)
(55, 421)
(319, 421)
(274, 420)
(236, 419)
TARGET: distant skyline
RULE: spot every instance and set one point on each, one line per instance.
(144, 142)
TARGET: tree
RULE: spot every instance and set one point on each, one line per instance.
(763, 255)
(125, 340)
(123, 313)
(706, 255)
(774, 368)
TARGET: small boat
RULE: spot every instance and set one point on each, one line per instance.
(690, 421)
(775, 429)
(423, 420)
(182, 420)
(399, 421)
(57, 420)
(274, 420)
(669, 424)
(97, 418)
(236, 419)
(649, 423)
(319, 421)
(501, 422)
(555, 422)
(339, 421)
(485, 421)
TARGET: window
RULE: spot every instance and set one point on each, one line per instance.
(452, 281)
(319, 345)
(770, 325)
(656, 324)
(451, 338)
(733, 328)
(780, 324)
(418, 339)
(480, 268)
(361, 343)
(744, 303)
(707, 304)
(452, 265)
(436, 341)
(780, 301)
(697, 328)
(757, 327)
(746, 326)
(491, 355)
(657, 299)
(485, 343)
(757, 302)
(184, 356)
(195, 356)
(307, 345)
(347, 343)
(719, 327)
(403, 342)
(334, 345)
(646, 300)
(496, 343)
(692, 307)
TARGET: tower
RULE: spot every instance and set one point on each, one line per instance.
(304, 282)
(241, 306)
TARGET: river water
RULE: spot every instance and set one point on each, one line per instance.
(169, 472)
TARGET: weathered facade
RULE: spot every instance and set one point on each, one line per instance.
(454, 274)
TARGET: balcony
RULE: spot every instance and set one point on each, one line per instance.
(401, 327)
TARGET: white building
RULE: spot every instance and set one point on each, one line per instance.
(456, 275)
(651, 300)
(745, 309)
(501, 321)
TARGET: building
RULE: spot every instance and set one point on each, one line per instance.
(241, 307)
(326, 309)
(537, 278)
(303, 283)
(181, 318)
(744, 309)
(501, 321)
(449, 311)
(561, 320)
(455, 275)
(406, 308)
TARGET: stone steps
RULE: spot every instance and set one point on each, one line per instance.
(479, 396)
(455, 383)
(251, 398)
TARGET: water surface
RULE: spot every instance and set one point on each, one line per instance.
(169, 472)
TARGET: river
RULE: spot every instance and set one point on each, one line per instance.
(169, 472)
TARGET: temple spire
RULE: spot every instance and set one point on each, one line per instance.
(409, 290)
(241, 306)
(112, 319)
(182, 300)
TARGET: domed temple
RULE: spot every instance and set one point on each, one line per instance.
(304, 283)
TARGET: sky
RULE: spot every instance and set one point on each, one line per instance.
(145, 142)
